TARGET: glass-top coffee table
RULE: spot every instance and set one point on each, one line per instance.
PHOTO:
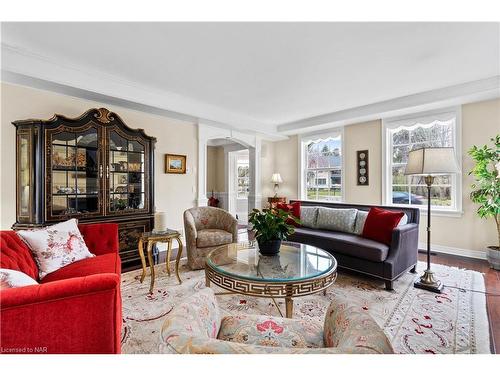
(297, 270)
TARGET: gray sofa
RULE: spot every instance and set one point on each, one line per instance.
(356, 253)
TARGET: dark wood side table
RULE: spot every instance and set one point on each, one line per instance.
(273, 201)
(152, 238)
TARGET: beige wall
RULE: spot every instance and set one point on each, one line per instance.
(480, 122)
(215, 169)
(211, 171)
(364, 136)
(266, 170)
(174, 193)
(286, 163)
(286, 157)
(279, 157)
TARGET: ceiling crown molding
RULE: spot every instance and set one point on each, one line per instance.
(20, 66)
(468, 92)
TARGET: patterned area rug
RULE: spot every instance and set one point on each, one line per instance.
(416, 321)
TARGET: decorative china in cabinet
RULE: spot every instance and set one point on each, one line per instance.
(93, 168)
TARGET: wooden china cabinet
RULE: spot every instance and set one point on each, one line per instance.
(93, 168)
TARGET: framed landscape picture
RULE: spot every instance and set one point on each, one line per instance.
(175, 163)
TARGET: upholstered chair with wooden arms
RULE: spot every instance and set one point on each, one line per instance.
(198, 326)
(207, 228)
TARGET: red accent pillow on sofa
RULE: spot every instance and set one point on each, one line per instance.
(380, 223)
(293, 209)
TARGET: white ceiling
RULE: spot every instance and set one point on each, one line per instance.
(272, 73)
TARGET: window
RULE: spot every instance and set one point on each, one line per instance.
(321, 168)
(321, 181)
(243, 177)
(401, 136)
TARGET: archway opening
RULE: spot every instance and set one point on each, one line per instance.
(228, 180)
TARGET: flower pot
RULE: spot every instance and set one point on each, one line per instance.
(269, 247)
(493, 256)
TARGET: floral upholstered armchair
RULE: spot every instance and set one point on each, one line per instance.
(197, 326)
(207, 228)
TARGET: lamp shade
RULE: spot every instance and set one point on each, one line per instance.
(276, 178)
(432, 161)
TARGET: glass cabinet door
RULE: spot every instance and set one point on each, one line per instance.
(75, 172)
(126, 174)
(24, 175)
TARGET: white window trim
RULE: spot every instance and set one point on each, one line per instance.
(457, 181)
(304, 138)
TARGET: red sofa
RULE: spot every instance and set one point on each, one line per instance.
(76, 309)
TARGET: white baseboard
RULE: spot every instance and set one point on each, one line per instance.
(476, 254)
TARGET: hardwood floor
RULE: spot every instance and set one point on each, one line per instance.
(492, 283)
(491, 278)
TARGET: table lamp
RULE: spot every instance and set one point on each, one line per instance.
(430, 162)
(276, 180)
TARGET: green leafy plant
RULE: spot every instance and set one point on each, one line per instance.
(486, 190)
(271, 224)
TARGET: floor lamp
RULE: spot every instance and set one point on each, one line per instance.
(429, 162)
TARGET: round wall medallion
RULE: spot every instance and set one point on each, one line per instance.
(362, 159)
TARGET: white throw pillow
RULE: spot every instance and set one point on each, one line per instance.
(14, 279)
(56, 246)
(360, 222)
(403, 221)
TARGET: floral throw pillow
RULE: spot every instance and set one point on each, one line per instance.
(14, 279)
(56, 246)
